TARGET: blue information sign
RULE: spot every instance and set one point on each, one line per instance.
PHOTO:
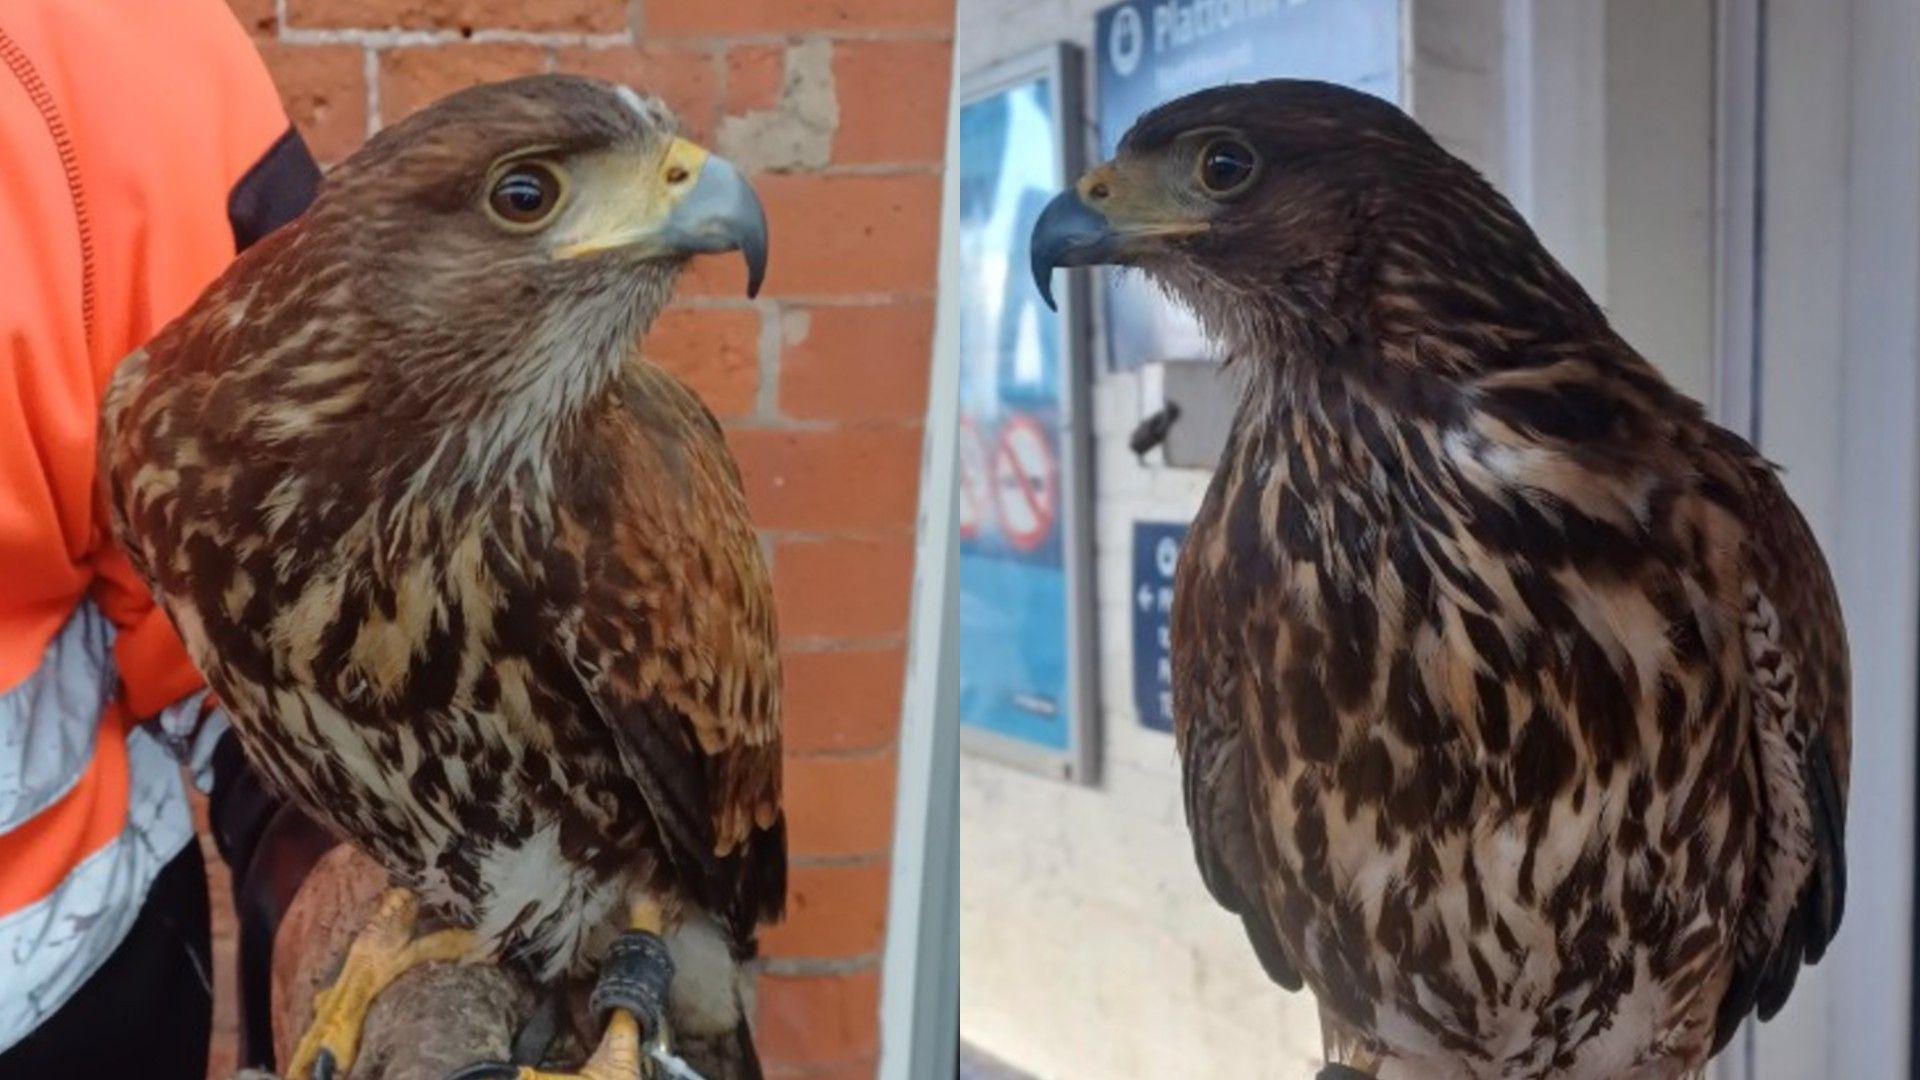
(1019, 658)
(1150, 51)
(1156, 551)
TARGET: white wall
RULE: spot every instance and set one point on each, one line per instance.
(1659, 76)
(1840, 395)
(1607, 117)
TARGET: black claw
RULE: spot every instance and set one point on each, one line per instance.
(635, 976)
(536, 1036)
(1336, 1071)
(485, 1070)
(324, 1066)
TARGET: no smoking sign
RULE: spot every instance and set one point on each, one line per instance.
(1026, 482)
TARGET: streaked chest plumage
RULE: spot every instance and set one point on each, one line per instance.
(389, 664)
(1486, 703)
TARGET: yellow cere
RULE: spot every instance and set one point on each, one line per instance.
(621, 198)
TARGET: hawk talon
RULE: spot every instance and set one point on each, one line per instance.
(632, 994)
(381, 952)
(635, 976)
(539, 1031)
(619, 1056)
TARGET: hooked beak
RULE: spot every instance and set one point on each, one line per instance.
(1069, 233)
(698, 205)
(721, 213)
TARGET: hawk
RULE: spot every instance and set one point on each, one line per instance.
(1510, 692)
(477, 583)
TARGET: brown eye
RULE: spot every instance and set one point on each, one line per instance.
(1227, 166)
(525, 194)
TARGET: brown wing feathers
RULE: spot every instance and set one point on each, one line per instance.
(675, 646)
(1797, 648)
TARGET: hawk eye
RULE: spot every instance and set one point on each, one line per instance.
(525, 194)
(1226, 167)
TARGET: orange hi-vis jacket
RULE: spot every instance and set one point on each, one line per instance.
(139, 145)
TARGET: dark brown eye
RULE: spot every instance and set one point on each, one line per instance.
(1227, 166)
(525, 194)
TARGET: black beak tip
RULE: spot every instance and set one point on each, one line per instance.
(1043, 278)
(753, 248)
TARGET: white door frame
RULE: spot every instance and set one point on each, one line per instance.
(920, 976)
(1835, 401)
(1738, 205)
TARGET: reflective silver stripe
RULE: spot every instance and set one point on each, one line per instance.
(50, 948)
(191, 734)
(48, 722)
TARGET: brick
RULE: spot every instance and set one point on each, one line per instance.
(686, 78)
(832, 911)
(891, 95)
(818, 480)
(857, 363)
(754, 75)
(413, 77)
(724, 277)
(579, 16)
(324, 88)
(727, 17)
(781, 110)
(860, 1068)
(843, 587)
(851, 234)
(819, 1019)
(259, 16)
(841, 699)
(839, 806)
(715, 351)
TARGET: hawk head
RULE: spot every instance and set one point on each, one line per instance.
(496, 255)
(536, 189)
(1285, 206)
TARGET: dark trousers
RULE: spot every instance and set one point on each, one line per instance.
(147, 1012)
(269, 845)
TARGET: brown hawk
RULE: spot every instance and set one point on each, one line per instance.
(476, 582)
(1510, 692)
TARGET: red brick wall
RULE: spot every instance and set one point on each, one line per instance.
(838, 108)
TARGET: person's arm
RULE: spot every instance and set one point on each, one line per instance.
(187, 157)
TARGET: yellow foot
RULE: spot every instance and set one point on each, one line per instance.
(637, 971)
(382, 950)
(618, 1056)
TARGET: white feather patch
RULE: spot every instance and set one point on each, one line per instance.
(707, 982)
